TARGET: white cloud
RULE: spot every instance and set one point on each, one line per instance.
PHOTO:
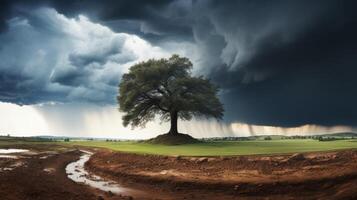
(61, 58)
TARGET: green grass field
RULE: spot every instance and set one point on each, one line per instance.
(218, 148)
(224, 148)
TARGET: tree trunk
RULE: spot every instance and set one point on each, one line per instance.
(173, 129)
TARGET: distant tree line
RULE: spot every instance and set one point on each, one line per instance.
(295, 137)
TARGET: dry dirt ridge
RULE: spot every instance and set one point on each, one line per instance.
(327, 175)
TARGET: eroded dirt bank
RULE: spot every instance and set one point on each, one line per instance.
(329, 175)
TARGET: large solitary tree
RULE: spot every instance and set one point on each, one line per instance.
(166, 87)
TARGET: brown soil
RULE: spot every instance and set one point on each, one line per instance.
(41, 175)
(328, 175)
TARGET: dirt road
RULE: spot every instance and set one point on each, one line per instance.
(40, 174)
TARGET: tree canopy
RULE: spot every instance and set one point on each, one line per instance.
(167, 88)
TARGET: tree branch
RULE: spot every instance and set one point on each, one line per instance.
(155, 102)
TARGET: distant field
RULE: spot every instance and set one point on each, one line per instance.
(224, 148)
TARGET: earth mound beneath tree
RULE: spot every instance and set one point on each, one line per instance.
(173, 139)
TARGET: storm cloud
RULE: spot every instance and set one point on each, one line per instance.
(278, 63)
(48, 57)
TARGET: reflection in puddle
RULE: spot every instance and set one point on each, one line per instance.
(12, 166)
(77, 173)
(49, 170)
(7, 151)
(8, 156)
(6, 169)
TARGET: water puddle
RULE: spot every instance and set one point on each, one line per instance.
(11, 151)
(8, 151)
(9, 156)
(12, 166)
(6, 169)
(49, 170)
(76, 172)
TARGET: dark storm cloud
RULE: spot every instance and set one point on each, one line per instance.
(4, 12)
(278, 62)
(154, 20)
(70, 77)
(296, 73)
(46, 56)
(83, 59)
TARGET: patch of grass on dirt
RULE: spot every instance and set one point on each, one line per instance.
(224, 148)
(31, 143)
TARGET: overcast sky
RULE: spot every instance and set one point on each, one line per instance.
(280, 64)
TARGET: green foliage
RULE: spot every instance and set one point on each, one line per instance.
(267, 138)
(165, 87)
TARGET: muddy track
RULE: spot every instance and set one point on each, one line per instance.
(42, 177)
(40, 174)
